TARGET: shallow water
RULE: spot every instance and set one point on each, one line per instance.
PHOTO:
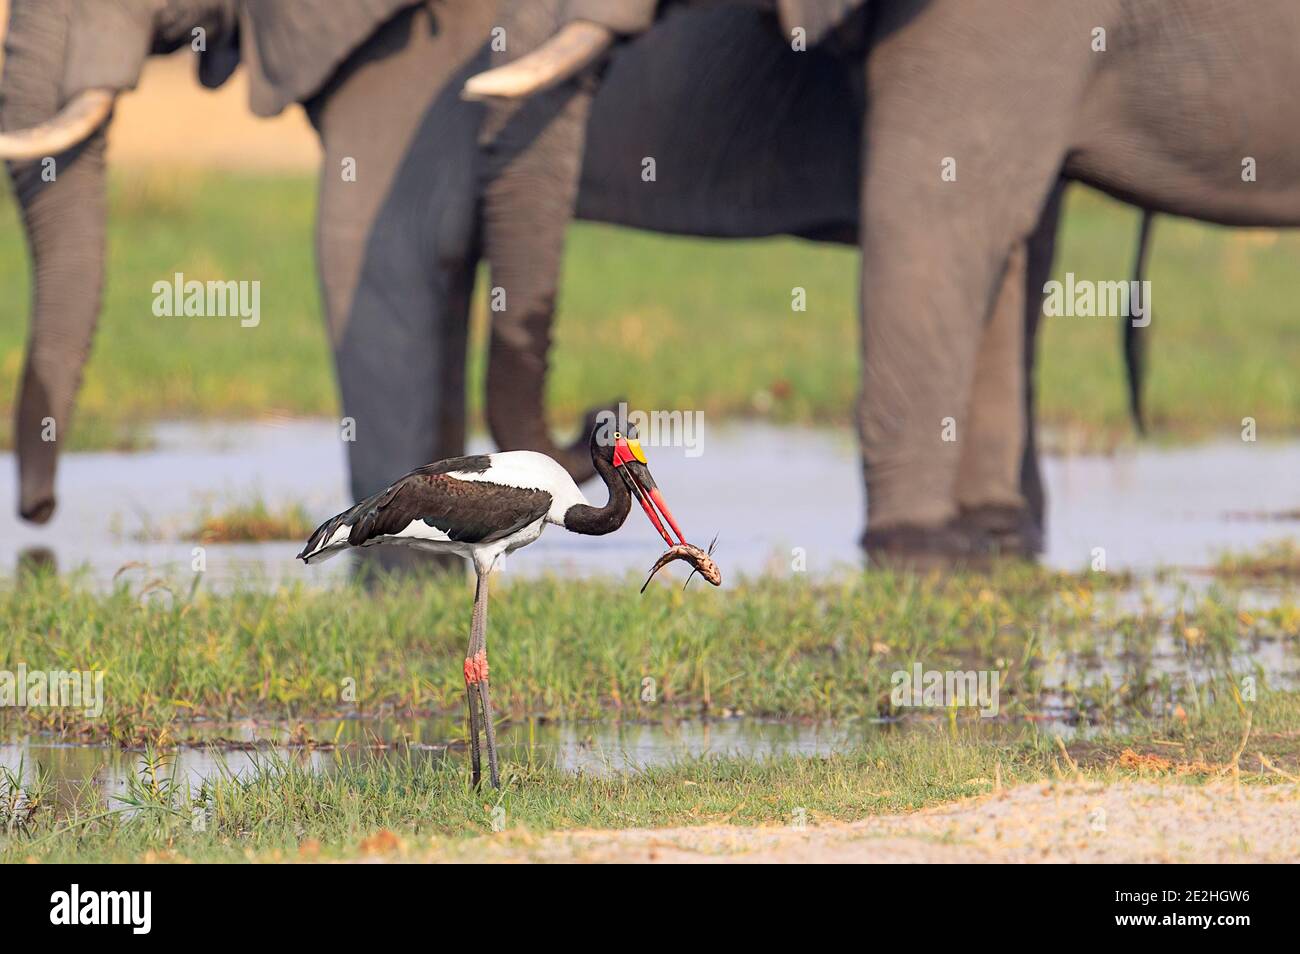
(764, 491)
(1149, 508)
(1161, 676)
(209, 750)
(593, 748)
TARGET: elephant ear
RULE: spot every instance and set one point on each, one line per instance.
(139, 28)
(96, 63)
(293, 47)
(817, 18)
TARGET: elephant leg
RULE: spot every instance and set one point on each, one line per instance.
(999, 489)
(945, 202)
(65, 217)
(397, 242)
(990, 452)
(532, 153)
(1041, 250)
(918, 376)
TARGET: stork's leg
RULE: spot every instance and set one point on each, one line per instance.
(476, 684)
(471, 699)
(473, 673)
(489, 728)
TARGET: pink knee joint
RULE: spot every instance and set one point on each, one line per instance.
(476, 669)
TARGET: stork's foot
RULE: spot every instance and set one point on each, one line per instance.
(489, 727)
(480, 716)
(471, 700)
(975, 540)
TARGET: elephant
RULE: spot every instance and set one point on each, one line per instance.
(953, 362)
(1166, 106)
(396, 255)
(397, 244)
(539, 155)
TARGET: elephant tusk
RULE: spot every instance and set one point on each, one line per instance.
(73, 123)
(575, 46)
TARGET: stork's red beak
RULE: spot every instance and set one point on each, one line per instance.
(630, 460)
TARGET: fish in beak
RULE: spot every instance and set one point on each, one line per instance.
(629, 459)
(701, 562)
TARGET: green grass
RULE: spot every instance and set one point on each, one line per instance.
(1223, 332)
(219, 226)
(667, 322)
(780, 648)
(783, 648)
(419, 808)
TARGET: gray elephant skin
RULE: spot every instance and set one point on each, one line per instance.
(397, 248)
(378, 80)
(381, 82)
(1164, 117)
(1177, 106)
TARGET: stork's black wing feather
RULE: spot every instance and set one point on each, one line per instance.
(468, 511)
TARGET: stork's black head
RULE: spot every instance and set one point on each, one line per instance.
(606, 435)
(616, 446)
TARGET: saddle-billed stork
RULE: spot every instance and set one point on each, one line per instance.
(485, 506)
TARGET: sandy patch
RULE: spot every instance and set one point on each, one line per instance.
(171, 119)
(1129, 823)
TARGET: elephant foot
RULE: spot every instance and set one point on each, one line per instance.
(1014, 531)
(976, 540)
(38, 512)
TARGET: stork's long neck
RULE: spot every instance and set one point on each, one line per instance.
(595, 521)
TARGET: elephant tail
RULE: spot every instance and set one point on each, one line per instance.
(1135, 336)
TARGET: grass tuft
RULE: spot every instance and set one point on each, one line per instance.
(1276, 561)
(253, 522)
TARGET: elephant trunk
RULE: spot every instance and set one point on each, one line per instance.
(533, 156)
(516, 398)
(63, 201)
(526, 207)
